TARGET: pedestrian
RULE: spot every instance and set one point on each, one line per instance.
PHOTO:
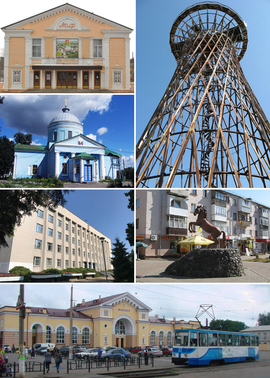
(99, 354)
(146, 355)
(13, 348)
(26, 352)
(33, 352)
(48, 359)
(58, 359)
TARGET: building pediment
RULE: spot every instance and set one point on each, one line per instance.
(67, 19)
(79, 140)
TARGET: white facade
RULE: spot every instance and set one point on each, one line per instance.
(163, 216)
(55, 239)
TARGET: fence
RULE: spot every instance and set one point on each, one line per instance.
(33, 366)
(107, 363)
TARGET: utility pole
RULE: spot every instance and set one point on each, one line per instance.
(21, 306)
(102, 242)
(71, 324)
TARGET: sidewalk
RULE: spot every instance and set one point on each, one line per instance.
(152, 270)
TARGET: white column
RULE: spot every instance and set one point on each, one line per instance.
(106, 55)
(14, 166)
(6, 64)
(81, 171)
(101, 168)
(127, 45)
(74, 170)
(56, 164)
(80, 79)
(53, 79)
(28, 54)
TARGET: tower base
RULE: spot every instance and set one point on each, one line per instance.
(203, 263)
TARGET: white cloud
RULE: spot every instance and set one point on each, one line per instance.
(102, 130)
(92, 136)
(129, 161)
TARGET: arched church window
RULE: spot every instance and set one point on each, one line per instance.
(64, 169)
(169, 338)
(55, 135)
(48, 334)
(85, 336)
(60, 335)
(69, 134)
(120, 328)
(34, 169)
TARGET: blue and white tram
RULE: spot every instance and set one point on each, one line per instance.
(206, 347)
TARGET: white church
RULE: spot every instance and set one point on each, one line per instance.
(69, 154)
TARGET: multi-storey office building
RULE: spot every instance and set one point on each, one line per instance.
(121, 320)
(55, 239)
(163, 216)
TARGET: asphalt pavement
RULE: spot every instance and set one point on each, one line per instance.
(152, 270)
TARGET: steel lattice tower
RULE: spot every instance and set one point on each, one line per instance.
(208, 129)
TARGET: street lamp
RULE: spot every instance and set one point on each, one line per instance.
(102, 240)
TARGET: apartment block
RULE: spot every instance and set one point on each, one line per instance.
(163, 216)
(55, 239)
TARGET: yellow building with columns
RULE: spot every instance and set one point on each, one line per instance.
(68, 48)
(118, 320)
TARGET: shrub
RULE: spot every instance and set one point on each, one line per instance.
(22, 271)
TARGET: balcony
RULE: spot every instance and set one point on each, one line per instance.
(244, 223)
(177, 211)
(263, 213)
(244, 206)
(176, 231)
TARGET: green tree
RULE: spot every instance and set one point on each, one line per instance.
(227, 325)
(123, 263)
(15, 204)
(6, 155)
(130, 226)
(21, 138)
(264, 319)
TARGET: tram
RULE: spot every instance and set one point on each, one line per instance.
(209, 347)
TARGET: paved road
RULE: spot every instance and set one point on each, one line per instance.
(152, 270)
(258, 369)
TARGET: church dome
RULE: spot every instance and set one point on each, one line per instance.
(63, 126)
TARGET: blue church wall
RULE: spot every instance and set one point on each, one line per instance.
(25, 162)
(62, 132)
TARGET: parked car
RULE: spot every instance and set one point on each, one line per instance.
(109, 348)
(7, 348)
(88, 354)
(166, 352)
(136, 349)
(64, 351)
(155, 352)
(41, 351)
(78, 349)
(115, 354)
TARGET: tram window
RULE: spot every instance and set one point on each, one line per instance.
(257, 340)
(247, 340)
(242, 341)
(235, 340)
(181, 339)
(252, 340)
(222, 339)
(212, 339)
(203, 339)
(193, 342)
(228, 340)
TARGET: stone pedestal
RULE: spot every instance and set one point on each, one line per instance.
(203, 263)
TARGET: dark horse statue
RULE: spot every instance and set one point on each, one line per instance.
(208, 227)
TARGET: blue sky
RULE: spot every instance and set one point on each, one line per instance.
(109, 119)
(235, 302)
(105, 210)
(156, 64)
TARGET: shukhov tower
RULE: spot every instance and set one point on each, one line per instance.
(208, 129)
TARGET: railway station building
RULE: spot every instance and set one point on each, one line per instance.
(66, 48)
(163, 217)
(118, 320)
